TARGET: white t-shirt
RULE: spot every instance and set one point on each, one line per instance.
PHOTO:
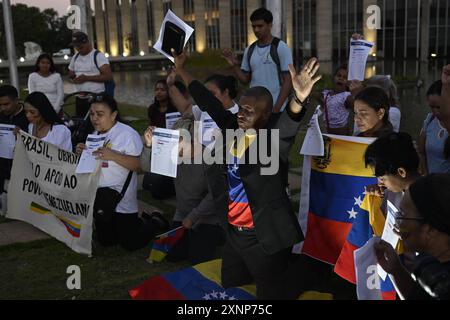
(126, 140)
(202, 116)
(86, 65)
(52, 86)
(395, 117)
(59, 135)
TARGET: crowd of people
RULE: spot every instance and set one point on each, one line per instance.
(232, 208)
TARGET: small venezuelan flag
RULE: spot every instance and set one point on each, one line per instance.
(165, 243)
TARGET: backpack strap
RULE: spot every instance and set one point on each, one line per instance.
(76, 57)
(95, 59)
(276, 57)
(250, 51)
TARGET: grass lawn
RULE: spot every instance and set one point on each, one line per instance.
(37, 270)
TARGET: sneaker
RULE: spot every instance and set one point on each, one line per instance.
(162, 222)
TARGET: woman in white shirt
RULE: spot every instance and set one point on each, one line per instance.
(119, 156)
(45, 79)
(45, 123)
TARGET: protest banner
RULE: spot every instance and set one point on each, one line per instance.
(46, 192)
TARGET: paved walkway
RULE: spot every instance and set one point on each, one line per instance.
(22, 232)
(19, 232)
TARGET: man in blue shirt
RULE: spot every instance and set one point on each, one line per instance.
(266, 62)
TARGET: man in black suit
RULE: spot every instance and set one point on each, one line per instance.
(256, 212)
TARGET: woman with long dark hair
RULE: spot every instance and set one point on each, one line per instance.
(371, 110)
(45, 123)
(162, 105)
(45, 79)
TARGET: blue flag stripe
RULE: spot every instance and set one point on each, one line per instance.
(194, 286)
(333, 195)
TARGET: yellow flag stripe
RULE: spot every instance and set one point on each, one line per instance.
(344, 158)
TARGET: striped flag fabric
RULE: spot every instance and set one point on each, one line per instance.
(369, 223)
(333, 188)
(165, 242)
(201, 283)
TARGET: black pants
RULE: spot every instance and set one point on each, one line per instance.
(245, 262)
(197, 245)
(127, 230)
(161, 187)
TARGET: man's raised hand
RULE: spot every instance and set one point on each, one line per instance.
(304, 81)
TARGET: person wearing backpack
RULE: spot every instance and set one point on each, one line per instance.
(90, 71)
(265, 62)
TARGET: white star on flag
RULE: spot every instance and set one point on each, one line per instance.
(223, 295)
(352, 214)
(214, 294)
(206, 297)
(358, 201)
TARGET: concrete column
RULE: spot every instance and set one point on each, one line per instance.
(275, 6)
(141, 9)
(225, 23)
(125, 10)
(200, 25)
(425, 31)
(289, 18)
(252, 5)
(178, 8)
(369, 34)
(158, 16)
(324, 31)
(111, 9)
(86, 15)
(100, 26)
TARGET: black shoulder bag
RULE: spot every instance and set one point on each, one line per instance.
(107, 200)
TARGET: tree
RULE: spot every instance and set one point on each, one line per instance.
(30, 24)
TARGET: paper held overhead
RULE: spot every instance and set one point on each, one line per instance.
(174, 34)
(359, 52)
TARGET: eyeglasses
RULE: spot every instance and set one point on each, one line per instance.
(96, 98)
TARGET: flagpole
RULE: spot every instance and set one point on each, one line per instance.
(165, 234)
(10, 44)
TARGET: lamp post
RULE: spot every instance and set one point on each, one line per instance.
(276, 7)
(10, 44)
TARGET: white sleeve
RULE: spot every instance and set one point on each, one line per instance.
(130, 144)
(59, 92)
(72, 63)
(285, 54)
(101, 59)
(395, 118)
(31, 83)
(62, 138)
(196, 112)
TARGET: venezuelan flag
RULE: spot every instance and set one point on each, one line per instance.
(201, 282)
(335, 186)
(163, 245)
(369, 223)
(73, 228)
